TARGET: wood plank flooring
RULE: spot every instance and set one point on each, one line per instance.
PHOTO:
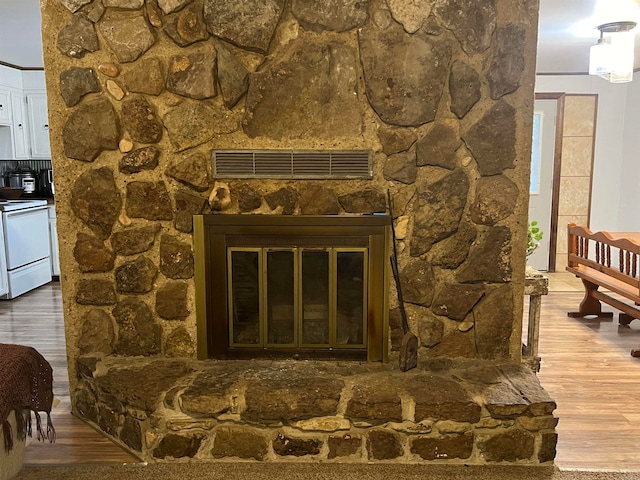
(586, 368)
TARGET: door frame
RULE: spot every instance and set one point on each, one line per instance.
(557, 166)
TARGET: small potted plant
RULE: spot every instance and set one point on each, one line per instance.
(534, 235)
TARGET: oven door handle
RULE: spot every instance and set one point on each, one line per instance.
(14, 213)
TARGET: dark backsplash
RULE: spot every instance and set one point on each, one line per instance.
(7, 166)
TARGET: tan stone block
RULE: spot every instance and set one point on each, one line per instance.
(324, 424)
(579, 115)
(577, 155)
(574, 196)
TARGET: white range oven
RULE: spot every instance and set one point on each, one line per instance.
(25, 250)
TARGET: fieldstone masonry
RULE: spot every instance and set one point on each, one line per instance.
(142, 91)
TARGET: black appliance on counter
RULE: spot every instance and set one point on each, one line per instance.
(45, 182)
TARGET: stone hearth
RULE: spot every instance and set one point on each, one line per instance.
(444, 411)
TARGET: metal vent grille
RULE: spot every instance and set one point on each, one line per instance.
(308, 164)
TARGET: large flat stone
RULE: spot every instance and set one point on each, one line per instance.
(440, 398)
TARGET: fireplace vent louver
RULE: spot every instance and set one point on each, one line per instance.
(302, 164)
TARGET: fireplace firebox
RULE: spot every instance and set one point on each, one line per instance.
(299, 286)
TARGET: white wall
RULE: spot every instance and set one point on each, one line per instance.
(613, 144)
(629, 210)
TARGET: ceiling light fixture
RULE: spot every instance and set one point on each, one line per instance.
(612, 57)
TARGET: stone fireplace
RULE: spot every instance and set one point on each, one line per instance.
(143, 92)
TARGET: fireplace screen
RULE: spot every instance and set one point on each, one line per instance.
(297, 297)
(310, 286)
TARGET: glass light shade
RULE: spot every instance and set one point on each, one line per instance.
(622, 57)
(599, 59)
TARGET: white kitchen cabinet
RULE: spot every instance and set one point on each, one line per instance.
(38, 125)
(53, 241)
(19, 126)
(5, 107)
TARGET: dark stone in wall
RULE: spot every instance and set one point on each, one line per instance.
(193, 171)
(451, 252)
(455, 344)
(363, 201)
(146, 76)
(134, 240)
(77, 82)
(456, 301)
(273, 398)
(508, 447)
(108, 421)
(285, 197)
(232, 75)
(97, 333)
(178, 446)
(494, 323)
(136, 276)
(443, 447)
(418, 282)
(92, 291)
(401, 167)
(492, 140)
(239, 442)
(148, 200)
(383, 445)
(318, 200)
(85, 403)
(94, 11)
(547, 450)
(92, 254)
(471, 21)
(127, 34)
(186, 26)
(250, 25)
(431, 329)
(171, 301)
(208, 395)
(377, 401)
(193, 123)
(308, 92)
(395, 140)
(145, 158)
(438, 147)
(179, 344)
(490, 260)
(297, 447)
(507, 65)
(187, 205)
(395, 329)
(140, 120)
(440, 398)
(96, 201)
(141, 387)
(404, 74)
(438, 211)
(78, 37)
(192, 75)
(335, 15)
(176, 258)
(91, 128)
(343, 446)
(540, 403)
(131, 433)
(496, 199)
(248, 198)
(138, 334)
(464, 88)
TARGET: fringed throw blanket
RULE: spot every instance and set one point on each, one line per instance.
(26, 380)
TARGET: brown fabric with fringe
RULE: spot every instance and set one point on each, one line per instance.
(26, 380)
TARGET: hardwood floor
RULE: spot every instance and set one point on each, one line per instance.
(586, 368)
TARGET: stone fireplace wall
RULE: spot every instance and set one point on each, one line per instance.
(141, 91)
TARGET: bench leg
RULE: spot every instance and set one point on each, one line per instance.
(589, 305)
(625, 319)
(635, 353)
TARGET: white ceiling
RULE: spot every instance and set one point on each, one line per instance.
(567, 30)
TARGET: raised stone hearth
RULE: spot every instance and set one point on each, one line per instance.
(443, 411)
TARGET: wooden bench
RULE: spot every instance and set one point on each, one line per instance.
(607, 260)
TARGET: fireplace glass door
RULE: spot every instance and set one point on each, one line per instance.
(297, 298)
